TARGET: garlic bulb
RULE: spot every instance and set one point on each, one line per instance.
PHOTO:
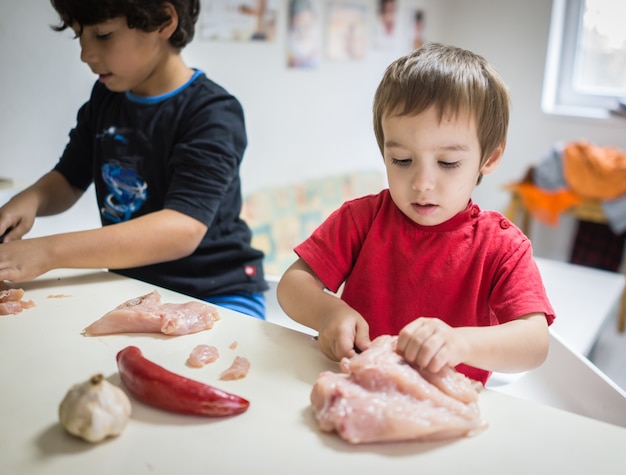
(95, 409)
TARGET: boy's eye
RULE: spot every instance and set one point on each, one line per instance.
(448, 164)
(401, 162)
(103, 36)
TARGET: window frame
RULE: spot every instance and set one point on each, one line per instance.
(559, 96)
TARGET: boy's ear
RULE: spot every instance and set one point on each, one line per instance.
(493, 161)
(168, 28)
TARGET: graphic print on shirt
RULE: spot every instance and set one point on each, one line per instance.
(124, 150)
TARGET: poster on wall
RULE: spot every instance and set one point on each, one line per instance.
(416, 27)
(346, 31)
(303, 33)
(387, 36)
(238, 20)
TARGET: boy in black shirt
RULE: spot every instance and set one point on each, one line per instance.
(163, 145)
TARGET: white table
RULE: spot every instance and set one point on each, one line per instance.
(583, 298)
(42, 353)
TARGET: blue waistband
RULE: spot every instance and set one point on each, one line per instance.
(249, 304)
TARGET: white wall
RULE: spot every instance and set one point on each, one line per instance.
(513, 36)
(41, 86)
(301, 123)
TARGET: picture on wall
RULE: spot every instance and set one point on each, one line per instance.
(238, 20)
(303, 33)
(346, 31)
(416, 27)
(387, 36)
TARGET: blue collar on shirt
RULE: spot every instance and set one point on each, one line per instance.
(154, 99)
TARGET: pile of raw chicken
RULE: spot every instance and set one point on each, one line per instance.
(379, 397)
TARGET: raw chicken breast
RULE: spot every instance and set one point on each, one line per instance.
(202, 355)
(146, 314)
(381, 398)
(237, 370)
(11, 301)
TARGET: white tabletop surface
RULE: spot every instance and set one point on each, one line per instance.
(42, 353)
(583, 299)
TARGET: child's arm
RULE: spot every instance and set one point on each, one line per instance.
(51, 194)
(518, 345)
(302, 296)
(156, 237)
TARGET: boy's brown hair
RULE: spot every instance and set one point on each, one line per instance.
(451, 79)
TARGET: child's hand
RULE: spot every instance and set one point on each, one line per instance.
(342, 335)
(431, 344)
(16, 219)
(23, 259)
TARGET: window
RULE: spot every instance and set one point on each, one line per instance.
(586, 61)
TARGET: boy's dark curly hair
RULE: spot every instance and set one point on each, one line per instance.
(146, 15)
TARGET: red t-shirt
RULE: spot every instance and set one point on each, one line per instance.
(476, 269)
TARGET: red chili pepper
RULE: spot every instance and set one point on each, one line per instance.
(156, 386)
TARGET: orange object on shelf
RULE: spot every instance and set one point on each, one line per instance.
(594, 172)
(545, 206)
(528, 200)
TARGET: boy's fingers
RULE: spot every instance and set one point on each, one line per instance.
(362, 339)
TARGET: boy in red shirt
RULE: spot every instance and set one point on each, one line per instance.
(458, 285)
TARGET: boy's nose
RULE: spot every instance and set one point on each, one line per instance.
(423, 179)
(87, 54)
